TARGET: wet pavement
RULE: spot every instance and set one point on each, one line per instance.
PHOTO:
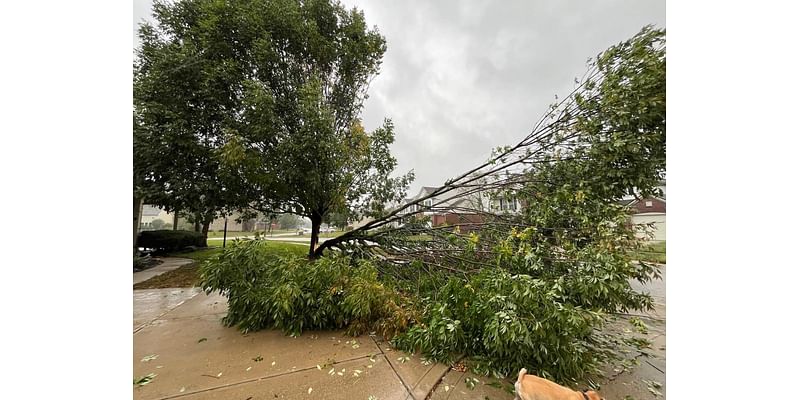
(178, 336)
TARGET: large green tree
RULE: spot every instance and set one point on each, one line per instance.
(256, 104)
(299, 146)
(183, 100)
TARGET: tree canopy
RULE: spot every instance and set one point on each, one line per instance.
(256, 104)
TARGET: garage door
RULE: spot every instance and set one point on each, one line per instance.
(659, 221)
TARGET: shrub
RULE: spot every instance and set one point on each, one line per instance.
(169, 240)
(505, 322)
(293, 294)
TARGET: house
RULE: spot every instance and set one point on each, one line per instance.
(151, 213)
(245, 225)
(462, 206)
(650, 210)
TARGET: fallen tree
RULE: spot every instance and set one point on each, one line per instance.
(535, 254)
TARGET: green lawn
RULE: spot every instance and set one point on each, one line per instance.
(219, 234)
(323, 235)
(215, 247)
(656, 252)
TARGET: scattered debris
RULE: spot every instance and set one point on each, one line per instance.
(249, 368)
(202, 340)
(258, 358)
(183, 389)
(150, 357)
(309, 390)
(144, 380)
(653, 387)
(403, 359)
(640, 326)
(273, 363)
(459, 367)
(471, 382)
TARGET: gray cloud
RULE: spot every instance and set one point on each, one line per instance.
(462, 77)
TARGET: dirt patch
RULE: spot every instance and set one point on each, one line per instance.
(182, 277)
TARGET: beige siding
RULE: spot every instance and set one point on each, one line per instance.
(659, 221)
(162, 215)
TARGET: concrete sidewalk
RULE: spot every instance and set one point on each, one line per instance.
(178, 336)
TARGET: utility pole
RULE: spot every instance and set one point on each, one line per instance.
(225, 232)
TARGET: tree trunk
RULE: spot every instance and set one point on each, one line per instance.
(138, 204)
(175, 221)
(316, 221)
(197, 222)
(206, 224)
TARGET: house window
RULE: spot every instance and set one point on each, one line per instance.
(429, 202)
(648, 203)
(508, 204)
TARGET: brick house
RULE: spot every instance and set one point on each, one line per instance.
(460, 207)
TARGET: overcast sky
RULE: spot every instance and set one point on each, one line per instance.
(461, 77)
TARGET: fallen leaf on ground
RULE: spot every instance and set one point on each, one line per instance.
(471, 382)
(202, 340)
(144, 380)
(309, 390)
(150, 357)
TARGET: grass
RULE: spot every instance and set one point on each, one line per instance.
(323, 235)
(219, 234)
(189, 274)
(656, 252)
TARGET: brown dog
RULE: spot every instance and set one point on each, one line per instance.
(532, 387)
